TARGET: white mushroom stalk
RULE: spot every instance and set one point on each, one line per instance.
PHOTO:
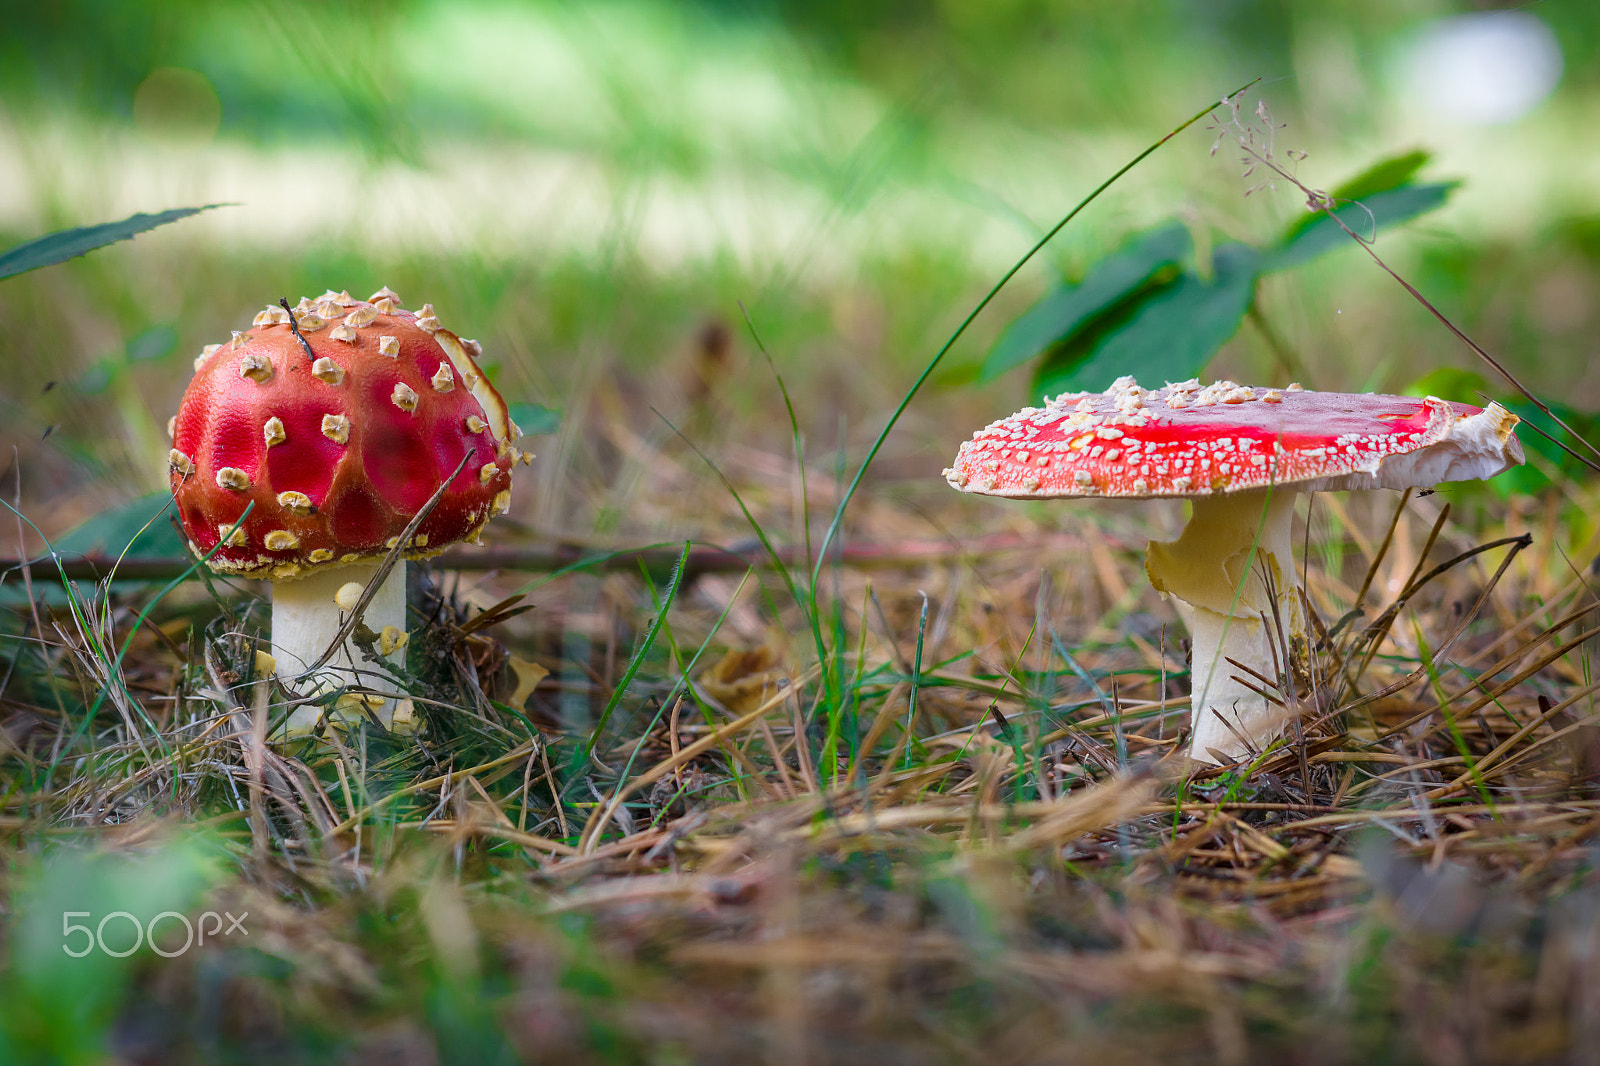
(1242, 456)
(1232, 575)
(307, 616)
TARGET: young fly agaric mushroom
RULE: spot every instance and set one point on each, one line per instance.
(1241, 455)
(339, 429)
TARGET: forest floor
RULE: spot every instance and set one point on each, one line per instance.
(925, 802)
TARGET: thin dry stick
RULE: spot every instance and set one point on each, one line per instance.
(1514, 758)
(1410, 812)
(527, 781)
(603, 813)
(492, 829)
(788, 790)
(558, 558)
(255, 760)
(1316, 200)
(886, 716)
(344, 787)
(802, 749)
(1377, 556)
(433, 782)
(1374, 634)
(737, 753)
(1491, 695)
(1460, 783)
(1572, 616)
(385, 566)
(1518, 544)
(555, 793)
(1526, 649)
(673, 743)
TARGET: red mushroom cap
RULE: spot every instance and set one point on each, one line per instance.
(340, 450)
(1185, 440)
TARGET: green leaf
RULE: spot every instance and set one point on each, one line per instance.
(1168, 335)
(1147, 260)
(1382, 176)
(58, 247)
(535, 419)
(1365, 217)
(1448, 383)
(119, 527)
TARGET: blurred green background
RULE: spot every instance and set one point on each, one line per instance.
(595, 190)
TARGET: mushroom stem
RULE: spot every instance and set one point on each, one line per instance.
(1226, 569)
(306, 619)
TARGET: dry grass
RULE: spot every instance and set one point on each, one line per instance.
(929, 812)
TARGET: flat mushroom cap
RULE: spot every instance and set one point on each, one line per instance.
(338, 452)
(1185, 440)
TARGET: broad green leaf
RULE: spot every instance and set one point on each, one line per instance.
(1380, 177)
(1448, 383)
(1364, 216)
(535, 419)
(66, 244)
(1168, 335)
(1148, 259)
(117, 528)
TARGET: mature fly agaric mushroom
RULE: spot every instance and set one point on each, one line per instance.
(338, 435)
(1241, 455)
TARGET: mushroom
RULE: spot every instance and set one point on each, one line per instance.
(334, 430)
(1241, 455)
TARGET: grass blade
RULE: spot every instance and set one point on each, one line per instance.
(637, 661)
(66, 244)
